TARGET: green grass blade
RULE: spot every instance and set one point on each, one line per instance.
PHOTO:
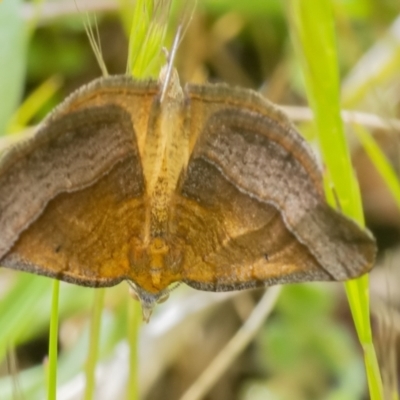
(94, 340)
(53, 345)
(312, 29)
(146, 39)
(134, 322)
(18, 310)
(388, 174)
(377, 66)
(126, 13)
(34, 103)
(380, 161)
(13, 46)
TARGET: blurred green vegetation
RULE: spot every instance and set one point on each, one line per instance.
(308, 349)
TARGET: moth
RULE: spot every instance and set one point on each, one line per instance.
(154, 183)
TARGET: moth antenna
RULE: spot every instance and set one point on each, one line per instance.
(94, 39)
(183, 26)
(186, 20)
(171, 57)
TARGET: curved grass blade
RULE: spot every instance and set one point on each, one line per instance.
(312, 29)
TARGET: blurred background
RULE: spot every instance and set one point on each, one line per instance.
(307, 347)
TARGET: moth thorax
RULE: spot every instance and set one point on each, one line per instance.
(170, 86)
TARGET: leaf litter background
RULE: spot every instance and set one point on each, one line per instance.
(307, 348)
